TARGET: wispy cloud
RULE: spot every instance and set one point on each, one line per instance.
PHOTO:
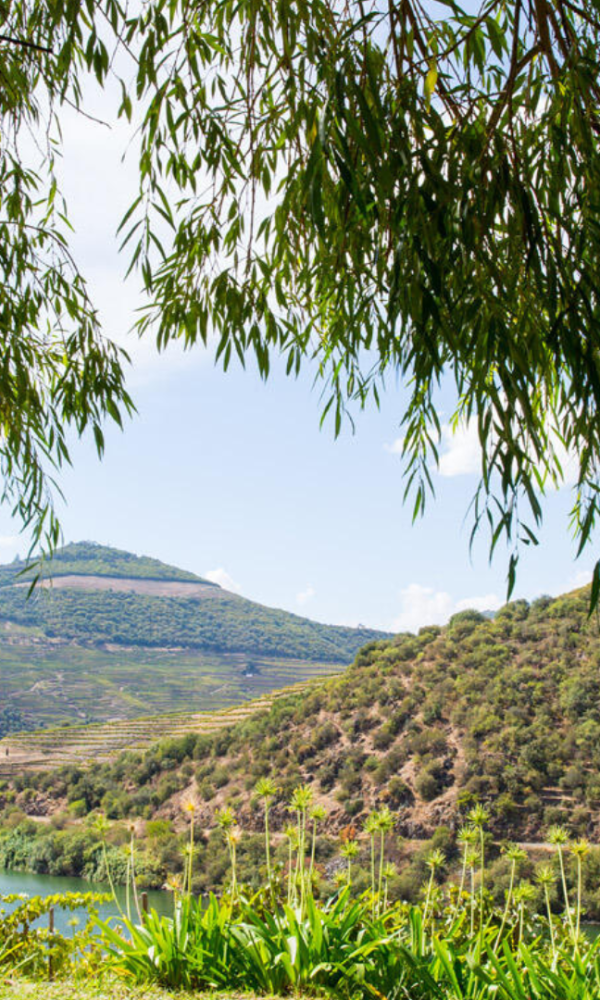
(460, 453)
(421, 606)
(461, 450)
(223, 578)
(579, 579)
(305, 596)
(395, 448)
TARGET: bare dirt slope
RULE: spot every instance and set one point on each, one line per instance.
(153, 588)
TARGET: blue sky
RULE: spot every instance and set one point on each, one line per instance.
(232, 478)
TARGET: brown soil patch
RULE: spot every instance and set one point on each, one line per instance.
(154, 588)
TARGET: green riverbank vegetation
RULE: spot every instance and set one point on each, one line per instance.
(455, 942)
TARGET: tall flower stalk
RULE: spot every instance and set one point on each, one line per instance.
(473, 859)
(349, 851)
(190, 809)
(232, 835)
(478, 817)
(579, 849)
(267, 790)
(291, 833)
(524, 893)
(515, 854)
(466, 837)
(370, 827)
(435, 860)
(233, 838)
(389, 871)
(316, 815)
(546, 878)
(558, 836)
(132, 870)
(300, 802)
(385, 824)
(102, 826)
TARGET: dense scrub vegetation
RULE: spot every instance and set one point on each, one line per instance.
(223, 623)
(66, 684)
(91, 559)
(505, 712)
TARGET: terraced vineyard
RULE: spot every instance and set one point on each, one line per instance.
(86, 745)
(53, 685)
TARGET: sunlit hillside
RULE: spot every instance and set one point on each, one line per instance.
(503, 711)
(107, 635)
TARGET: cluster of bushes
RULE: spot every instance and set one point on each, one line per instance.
(12, 721)
(64, 847)
(74, 850)
(512, 930)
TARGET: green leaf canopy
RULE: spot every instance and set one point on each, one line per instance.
(382, 189)
(379, 187)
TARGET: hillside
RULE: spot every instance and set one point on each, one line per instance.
(112, 635)
(91, 559)
(505, 711)
(83, 746)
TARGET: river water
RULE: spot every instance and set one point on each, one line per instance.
(47, 885)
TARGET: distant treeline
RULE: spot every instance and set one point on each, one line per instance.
(12, 721)
(223, 623)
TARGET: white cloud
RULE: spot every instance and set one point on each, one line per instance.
(10, 541)
(305, 596)
(487, 602)
(396, 447)
(460, 454)
(222, 577)
(569, 463)
(421, 606)
(579, 579)
(462, 451)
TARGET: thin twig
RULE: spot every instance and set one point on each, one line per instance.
(24, 43)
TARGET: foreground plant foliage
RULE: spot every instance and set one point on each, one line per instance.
(455, 944)
(381, 188)
(40, 950)
(503, 711)
(341, 948)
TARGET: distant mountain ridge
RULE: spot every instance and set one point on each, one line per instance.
(226, 622)
(108, 634)
(93, 559)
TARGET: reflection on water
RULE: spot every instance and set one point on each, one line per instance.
(48, 885)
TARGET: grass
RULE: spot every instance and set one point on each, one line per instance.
(107, 988)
